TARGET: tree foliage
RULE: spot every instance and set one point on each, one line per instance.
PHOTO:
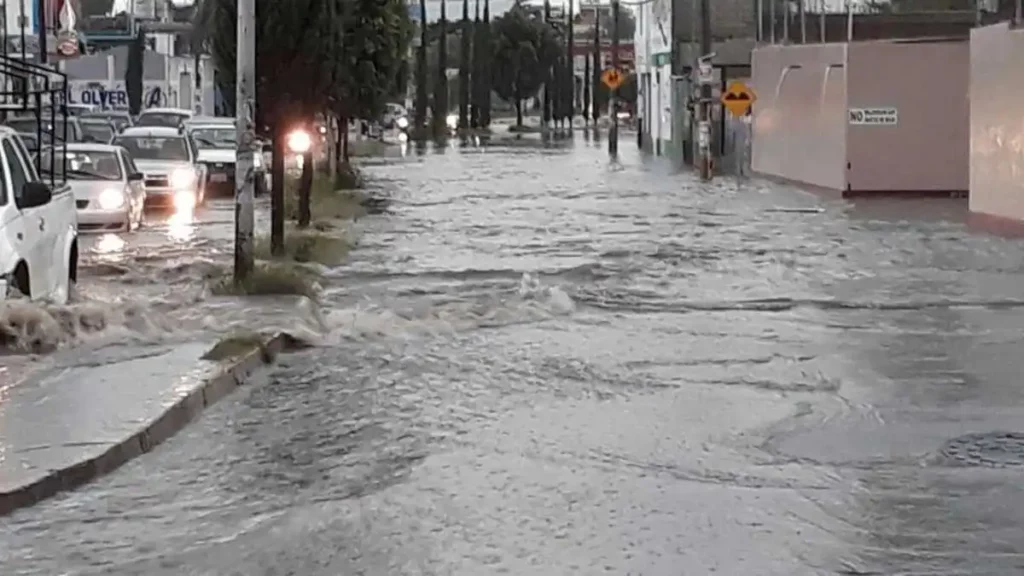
(525, 50)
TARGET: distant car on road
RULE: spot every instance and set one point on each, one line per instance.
(54, 132)
(108, 189)
(169, 161)
(38, 230)
(215, 139)
(120, 120)
(168, 117)
(96, 130)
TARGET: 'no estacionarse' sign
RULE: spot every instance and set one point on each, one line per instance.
(874, 116)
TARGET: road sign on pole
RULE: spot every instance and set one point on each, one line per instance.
(738, 98)
(612, 78)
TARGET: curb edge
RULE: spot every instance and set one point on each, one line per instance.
(173, 420)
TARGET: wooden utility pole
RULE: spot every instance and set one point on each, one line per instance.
(613, 93)
(245, 108)
(704, 126)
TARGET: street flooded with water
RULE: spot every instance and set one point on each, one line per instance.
(538, 361)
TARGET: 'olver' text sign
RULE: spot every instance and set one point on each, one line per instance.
(874, 116)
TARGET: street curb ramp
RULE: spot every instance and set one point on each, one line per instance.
(233, 375)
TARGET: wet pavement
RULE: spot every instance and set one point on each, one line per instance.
(542, 363)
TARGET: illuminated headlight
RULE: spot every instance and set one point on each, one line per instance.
(184, 201)
(183, 178)
(299, 142)
(453, 121)
(111, 199)
(402, 122)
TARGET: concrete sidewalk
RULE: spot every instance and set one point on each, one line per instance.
(90, 411)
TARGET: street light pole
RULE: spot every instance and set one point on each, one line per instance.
(613, 93)
(245, 70)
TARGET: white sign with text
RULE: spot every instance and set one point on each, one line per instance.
(114, 96)
(874, 116)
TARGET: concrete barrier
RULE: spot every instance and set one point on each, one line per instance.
(80, 422)
(997, 129)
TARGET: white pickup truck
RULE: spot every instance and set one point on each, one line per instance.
(38, 228)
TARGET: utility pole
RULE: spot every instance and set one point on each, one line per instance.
(43, 25)
(704, 127)
(245, 108)
(613, 93)
(546, 103)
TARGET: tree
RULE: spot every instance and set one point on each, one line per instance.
(595, 81)
(524, 52)
(440, 108)
(421, 73)
(478, 76)
(486, 60)
(294, 52)
(464, 60)
(370, 54)
(586, 89)
(133, 72)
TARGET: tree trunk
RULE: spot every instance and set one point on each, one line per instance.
(340, 134)
(277, 193)
(305, 189)
(519, 113)
(344, 141)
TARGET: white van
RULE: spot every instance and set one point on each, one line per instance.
(38, 228)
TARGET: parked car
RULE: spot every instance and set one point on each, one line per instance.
(120, 120)
(168, 117)
(96, 130)
(108, 189)
(38, 228)
(51, 131)
(169, 161)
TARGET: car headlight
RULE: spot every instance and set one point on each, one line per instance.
(453, 121)
(402, 122)
(184, 201)
(183, 178)
(299, 142)
(111, 199)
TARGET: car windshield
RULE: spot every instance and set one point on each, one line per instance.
(219, 137)
(171, 148)
(82, 165)
(30, 126)
(97, 132)
(161, 119)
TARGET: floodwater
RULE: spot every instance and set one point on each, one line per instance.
(540, 362)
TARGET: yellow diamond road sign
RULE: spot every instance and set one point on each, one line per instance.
(738, 98)
(612, 78)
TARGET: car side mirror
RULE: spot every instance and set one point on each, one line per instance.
(34, 194)
(135, 177)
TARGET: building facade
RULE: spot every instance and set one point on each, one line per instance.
(653, 48)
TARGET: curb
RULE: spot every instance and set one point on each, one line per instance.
(167, 425)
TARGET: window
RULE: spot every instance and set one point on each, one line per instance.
(18, 176)
(129, 163)
(26, 158)
(169, 148)
(83, 165)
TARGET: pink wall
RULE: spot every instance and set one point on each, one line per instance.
(800, 113)
(927, 150)
(997, 122)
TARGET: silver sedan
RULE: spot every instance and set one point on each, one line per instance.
(108, 188)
